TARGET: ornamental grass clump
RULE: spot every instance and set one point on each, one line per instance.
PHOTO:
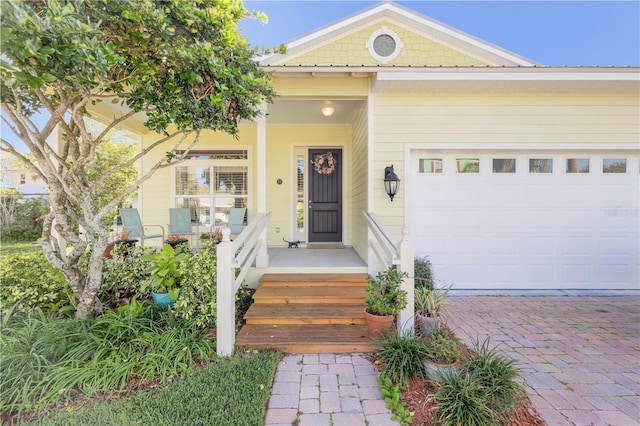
(401, 356)
(485, 390)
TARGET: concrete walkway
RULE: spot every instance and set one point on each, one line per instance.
(327, 389)
(579, 354)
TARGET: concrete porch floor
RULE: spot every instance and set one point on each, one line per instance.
(314, 258)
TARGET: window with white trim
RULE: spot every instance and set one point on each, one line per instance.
(211, 183)
(384, 45)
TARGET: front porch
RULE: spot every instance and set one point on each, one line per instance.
(309, 300)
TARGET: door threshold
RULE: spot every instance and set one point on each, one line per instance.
(325, 245)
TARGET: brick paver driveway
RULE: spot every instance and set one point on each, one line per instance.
(580, 355)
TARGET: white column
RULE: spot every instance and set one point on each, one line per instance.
(226, 303)
(406, 251)
(262, 260)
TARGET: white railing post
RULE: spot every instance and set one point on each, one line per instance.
(226, 303)
(406, 252)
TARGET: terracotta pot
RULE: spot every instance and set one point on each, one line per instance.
(378, 324)
(107, 251)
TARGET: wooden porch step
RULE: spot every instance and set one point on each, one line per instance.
(307, 338)
(304, 313)
(314, 295)
(309, 280)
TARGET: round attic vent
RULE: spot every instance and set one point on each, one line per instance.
(384, 45)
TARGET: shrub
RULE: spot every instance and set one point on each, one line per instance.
(498, 375)
(401, 356)
(29, 282)
(27, 220)
(384, 294)
(197, 301)
(444, 348)
(422, 273)
(46, 359)
(123, 274)
(461, 400)
(484, 391)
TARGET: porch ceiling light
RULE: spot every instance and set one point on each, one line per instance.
(327, 110)
(391, 182)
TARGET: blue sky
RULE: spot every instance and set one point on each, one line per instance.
(552, 33)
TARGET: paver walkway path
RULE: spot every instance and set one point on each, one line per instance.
(579, 354)
(327, 389)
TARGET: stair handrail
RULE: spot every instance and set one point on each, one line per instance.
(232, 255)
(390, 251)
(383, 245)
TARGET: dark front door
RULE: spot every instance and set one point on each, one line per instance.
(325, 196)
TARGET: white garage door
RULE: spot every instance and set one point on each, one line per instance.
(527, 221)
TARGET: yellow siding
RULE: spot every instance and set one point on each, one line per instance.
(417, 51)
(492, 121)
(325, 88)
(281, 141)
(156, 194)
(360, 180)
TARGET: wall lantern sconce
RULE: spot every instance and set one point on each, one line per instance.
(391, 182)
(328, 110)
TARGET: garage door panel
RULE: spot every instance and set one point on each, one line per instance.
(529, 230)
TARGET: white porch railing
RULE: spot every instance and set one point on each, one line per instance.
(233, 255)
(388, 251)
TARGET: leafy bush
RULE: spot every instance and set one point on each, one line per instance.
(27, 220)
(46, 359)
(401, 356)
(123, 274)
(391, 393)
(197, 302)
(422, 273)
(231, 392)
(444, 348)
(384, 295)
(29, 281)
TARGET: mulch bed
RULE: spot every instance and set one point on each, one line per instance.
(419, 399)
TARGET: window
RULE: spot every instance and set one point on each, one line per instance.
(384, 45)
(504, 165)
(430, 165)
(577, 165)
(614, 165)
(211, 185)
(540, 165)
(23, 178)
(467, 165)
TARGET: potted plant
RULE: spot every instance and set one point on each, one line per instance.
(175, 239)
(384, 300)
(428, 306)
(121, 237)
(443, 354)
(165, 275)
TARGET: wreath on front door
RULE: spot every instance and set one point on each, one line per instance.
(324, 164)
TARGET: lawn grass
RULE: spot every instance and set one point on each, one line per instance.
(19, 246)
(231, 391)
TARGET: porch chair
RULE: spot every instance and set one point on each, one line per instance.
(236, 220)
(180, 221)
(133, 226)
